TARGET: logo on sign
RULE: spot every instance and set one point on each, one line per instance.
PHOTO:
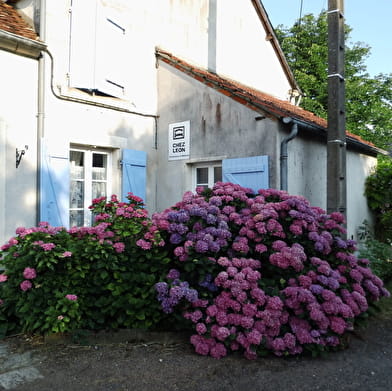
(178, 132)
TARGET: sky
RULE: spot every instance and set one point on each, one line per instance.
(370, 21)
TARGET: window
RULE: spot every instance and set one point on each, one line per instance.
(89, 179)
(205, 175)
(250, 172)
(97, 58)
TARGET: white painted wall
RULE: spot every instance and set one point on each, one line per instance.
(359, 167)
(224, 36)
(307, 171)
(307, 165)
(244, 53)
(220, 128)
(181, 27)
(69, 123)
(18, 110)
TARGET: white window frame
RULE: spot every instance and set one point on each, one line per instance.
(211, 175)
(88, 180)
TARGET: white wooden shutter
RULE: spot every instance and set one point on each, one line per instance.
(83, 44)
(111, 53)
(98, 56)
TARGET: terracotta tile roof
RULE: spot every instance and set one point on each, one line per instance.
(254, 99)
(12, 22)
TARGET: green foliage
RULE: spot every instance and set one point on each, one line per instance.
(98, 277)
(380, 256)
(378, 190)
(378, 253)
(368, 99)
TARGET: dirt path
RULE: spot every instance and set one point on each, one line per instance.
(117, 362)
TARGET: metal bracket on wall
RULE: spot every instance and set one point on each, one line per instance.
(19, 155)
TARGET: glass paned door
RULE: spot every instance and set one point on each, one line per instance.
(77, 185)
(88, 180)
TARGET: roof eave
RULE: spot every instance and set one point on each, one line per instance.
(351, 141)
(365, 148)
(271, 36)
(20, 45)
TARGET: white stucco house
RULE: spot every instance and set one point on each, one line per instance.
(156, 97)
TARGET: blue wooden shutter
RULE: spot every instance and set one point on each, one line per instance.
(251, 172)
(54, 186)
(134, 173)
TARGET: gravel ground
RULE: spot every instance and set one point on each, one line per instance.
(155, 362)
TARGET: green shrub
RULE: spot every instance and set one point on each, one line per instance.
(378, 253)
(380, 256)
(100, 277)
(378, 190)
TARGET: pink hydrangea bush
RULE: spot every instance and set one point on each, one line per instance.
(99, 277)
(272, 273)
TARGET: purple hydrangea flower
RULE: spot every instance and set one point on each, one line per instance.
(173, 274)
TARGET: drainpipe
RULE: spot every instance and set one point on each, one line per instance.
(41, 103)
(284, 154)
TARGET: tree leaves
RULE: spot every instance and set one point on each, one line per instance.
(368, 99)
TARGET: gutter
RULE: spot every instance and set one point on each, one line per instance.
(98, 104)
(74, 99)
(353, 143)
(41, 105)
(284, 153)
(89, 102)
(20, 45)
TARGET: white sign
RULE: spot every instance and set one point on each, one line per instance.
(179, 140)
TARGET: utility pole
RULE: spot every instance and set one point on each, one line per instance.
(336, 149)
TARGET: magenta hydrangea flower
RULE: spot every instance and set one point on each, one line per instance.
(145, 245)
(3, 277)
(29, 273)
(48, 246)
(119, 247)
(25, 285)
(201, 328)
(71, 297)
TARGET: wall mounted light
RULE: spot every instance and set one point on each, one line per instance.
(19, 155)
